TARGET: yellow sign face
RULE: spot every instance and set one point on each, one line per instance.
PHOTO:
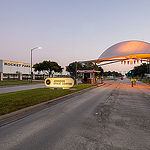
(64, 83)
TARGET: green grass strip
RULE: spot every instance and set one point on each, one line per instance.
(146, 81)
(13, 101)
(17, 82)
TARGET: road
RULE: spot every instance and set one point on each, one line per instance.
(20, 87)
(115, 116)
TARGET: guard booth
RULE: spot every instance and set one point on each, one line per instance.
(88, 76)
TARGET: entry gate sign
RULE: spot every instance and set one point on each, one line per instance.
(64, 83)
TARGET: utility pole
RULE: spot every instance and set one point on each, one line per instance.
(31, 61)
(31, 66)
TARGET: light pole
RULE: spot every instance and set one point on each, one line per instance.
(76, 66)
(31, 61)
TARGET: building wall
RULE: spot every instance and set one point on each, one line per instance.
(1, 66)
(12, 67)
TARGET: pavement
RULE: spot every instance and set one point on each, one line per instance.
(20, 87)
(114, 116)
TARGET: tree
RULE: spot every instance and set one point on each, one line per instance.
(139, 70)
(113, 73)
(72, 68)
(48, 66)
(82, 66)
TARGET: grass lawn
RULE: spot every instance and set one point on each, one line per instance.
(13, 101)
(146, 81)
(17, 82)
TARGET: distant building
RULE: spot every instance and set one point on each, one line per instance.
(18, 70)
(13, 67)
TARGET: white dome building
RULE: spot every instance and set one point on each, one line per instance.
(126, 50)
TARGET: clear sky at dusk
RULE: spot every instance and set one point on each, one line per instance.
(69, 30)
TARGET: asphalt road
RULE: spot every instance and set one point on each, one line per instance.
(115, 116)
(20, 87)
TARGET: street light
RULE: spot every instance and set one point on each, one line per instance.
(76, 66)
(31, 60)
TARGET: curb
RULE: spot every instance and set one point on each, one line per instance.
(19, 114)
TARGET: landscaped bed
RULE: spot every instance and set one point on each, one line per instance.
(13, 101)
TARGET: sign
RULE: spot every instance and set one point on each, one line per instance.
(64, 83)
(16, 64)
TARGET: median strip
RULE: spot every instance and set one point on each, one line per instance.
(10, 102)
(17, 82)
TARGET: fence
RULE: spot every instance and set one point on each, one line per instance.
(6, 76)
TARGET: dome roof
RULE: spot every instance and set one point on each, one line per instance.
(126, 48)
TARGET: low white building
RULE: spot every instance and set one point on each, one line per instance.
(12, 67)
(19, 70)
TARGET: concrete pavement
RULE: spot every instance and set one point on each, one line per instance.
(111, 117)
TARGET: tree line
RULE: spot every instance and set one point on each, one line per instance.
(71, 68)
(139, 71)
(112, 73)
(48, 67)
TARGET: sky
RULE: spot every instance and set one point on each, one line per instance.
(70, 30)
